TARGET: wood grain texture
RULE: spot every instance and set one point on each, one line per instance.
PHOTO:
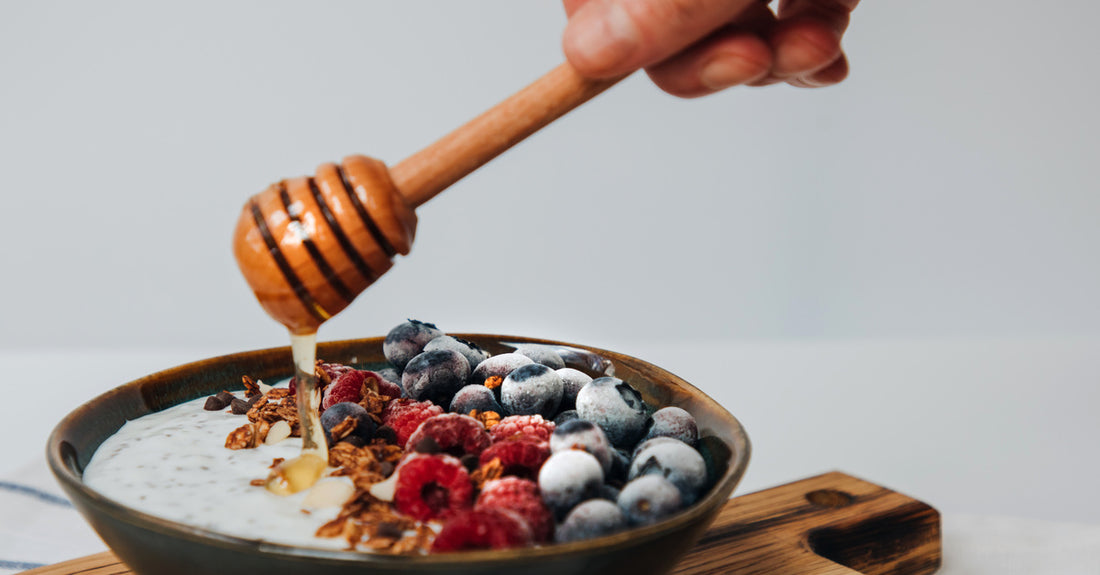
(831, 524)
(431, 170)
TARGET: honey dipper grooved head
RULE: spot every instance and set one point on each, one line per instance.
(307, 246)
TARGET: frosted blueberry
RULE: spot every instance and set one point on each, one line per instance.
(648, 499)
(574, 380)
(532, 390)
(543, 354)
(568, 478)
(593, 518)
(675, 461)
(616, 407)
(407, 340)
(468, 349)
(492, 371)
(567, 415)
(435, 376)
(473, 397)
(585, 436)
(674, 422)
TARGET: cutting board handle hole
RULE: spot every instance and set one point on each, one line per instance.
(831, 498)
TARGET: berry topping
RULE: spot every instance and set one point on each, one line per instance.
(568, 478)
(405, 415)
(529, 426)
(648, 499)
(468, 349)
(435, 376)
(522, 497)
(616, 407)
(585, 436)
(350, 386)
(519, 456)
(674, 460)
(542, 354)
(453, 433)
(336, 428)
(498, 366)
(593, 518)
(489, 528)
(676, 423)
(572, 381)
(474, 397)
(431, 486)
(532, 389)
(406, 340)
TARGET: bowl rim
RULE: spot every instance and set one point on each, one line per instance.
(719, 492)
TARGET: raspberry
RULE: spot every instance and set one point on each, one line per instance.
(522, 497)
(430, 486)
(482, 529)
(520, 456)
(348, 387)
(453, 433)
(531, 426)
(387, 388)
(405, 415)
(332, 370)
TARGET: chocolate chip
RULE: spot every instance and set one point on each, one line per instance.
(225, 396)
(390, 529)
(354, 440)
(215, 403)
(427, 445)
(387, 433)
(470, 462)
(239, 406)
(386, 468)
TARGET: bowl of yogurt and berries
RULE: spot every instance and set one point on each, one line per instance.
(446, 453)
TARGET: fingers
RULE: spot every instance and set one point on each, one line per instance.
(806, 42)
(610, 37)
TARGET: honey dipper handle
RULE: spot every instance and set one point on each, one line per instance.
(431, 170)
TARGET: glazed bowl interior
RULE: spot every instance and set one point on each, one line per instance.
(149, 544)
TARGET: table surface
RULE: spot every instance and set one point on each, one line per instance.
(980, 427)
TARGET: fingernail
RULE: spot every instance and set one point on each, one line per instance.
(604, 38)
(721, 73)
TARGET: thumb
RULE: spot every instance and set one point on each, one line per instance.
(611, 37)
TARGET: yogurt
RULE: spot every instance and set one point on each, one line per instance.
(173, 464)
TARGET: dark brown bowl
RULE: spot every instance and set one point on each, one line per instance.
(154, 546)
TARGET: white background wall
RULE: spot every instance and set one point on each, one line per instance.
(946, 190)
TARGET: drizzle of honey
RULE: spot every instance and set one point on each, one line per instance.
(302, 472)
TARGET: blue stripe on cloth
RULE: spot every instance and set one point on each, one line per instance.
(5, 564)
(35, 493)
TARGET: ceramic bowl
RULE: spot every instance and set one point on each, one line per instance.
(153, 546)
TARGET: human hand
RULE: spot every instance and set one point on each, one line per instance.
(692, 48)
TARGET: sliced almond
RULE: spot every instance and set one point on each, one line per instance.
(279, 431)
(328, 492)
(264, 388)
(384, 490)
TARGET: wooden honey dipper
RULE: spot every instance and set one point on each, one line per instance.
(308, 246)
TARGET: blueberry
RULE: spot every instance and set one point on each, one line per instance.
(532, 390)
(468, 349)
(616, 407)
(585, 436)
(568, 478)
(333, 416)
(620, 467)
(574, 380)
(497, 368)
(675, 461)
(405, 341)
(543, 354)
(435, 376)
(675, 423)
(593, 518)
(474, 397)
(565, 416)
(648, 499)
(609, 492)
(390, 374)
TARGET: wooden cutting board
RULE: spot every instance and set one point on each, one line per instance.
(832, 524)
